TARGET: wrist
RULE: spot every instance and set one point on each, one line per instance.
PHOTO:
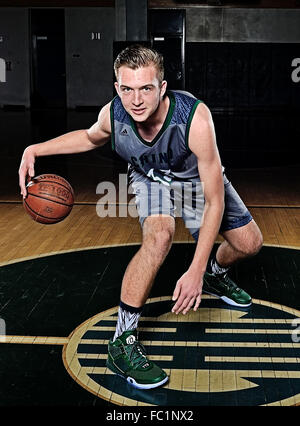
(197, 269)
(31, 150)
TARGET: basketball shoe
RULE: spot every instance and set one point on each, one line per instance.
(220, 285)
(127, 358)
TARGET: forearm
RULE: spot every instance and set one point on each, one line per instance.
(213, 213)
(70, 143)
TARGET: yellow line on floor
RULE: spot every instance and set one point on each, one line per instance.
(104, 356)
(250, 359)
(247, 331)
(174, 318)
(34, 340)
(152, 329)
(201, 344)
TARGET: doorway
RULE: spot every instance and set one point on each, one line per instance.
(167, 35)
(48, 76)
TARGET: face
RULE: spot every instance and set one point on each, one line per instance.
(140, 91)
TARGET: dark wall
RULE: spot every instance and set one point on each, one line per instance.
(155, 3)
(243, 75)
(226, 3)
(14, 49)
(89, 56)
(89, 61)
(245, 25)
(238, 60)
(86, 43)
(254, 101)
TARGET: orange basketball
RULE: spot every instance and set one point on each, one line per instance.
(49, 199)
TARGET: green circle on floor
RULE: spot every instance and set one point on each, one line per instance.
(217, 356)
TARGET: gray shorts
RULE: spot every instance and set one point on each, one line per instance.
(186, 200)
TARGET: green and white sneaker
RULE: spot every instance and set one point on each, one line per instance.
(127, 358)
(223, 287)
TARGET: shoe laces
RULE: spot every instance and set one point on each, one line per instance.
(230, 284)
(136, 353)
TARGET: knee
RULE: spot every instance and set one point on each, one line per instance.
(159, 235)
(253, 244)
(161, 241)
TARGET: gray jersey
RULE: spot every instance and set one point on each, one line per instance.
(168, 156)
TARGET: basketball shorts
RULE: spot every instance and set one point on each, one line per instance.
(186, 200)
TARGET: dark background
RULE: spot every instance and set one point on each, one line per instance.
(236, 56)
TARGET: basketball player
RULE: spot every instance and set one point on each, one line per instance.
(168, 139)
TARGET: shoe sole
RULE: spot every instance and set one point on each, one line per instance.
(145, 386)
(137, 385)
(229, 301)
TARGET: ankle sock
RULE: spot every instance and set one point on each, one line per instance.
(128, 317)
(216, 269)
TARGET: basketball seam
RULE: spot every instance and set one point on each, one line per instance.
(54, 201)
(45, 217)
(69, 188)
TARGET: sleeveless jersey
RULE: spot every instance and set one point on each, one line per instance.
(168, 156)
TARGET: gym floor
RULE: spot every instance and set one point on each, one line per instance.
(60, 287)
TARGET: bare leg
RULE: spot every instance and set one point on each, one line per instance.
(239, 243)
(158, 234)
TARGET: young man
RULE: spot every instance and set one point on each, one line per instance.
(168, 140)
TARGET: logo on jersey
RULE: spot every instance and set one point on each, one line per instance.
(157, 176)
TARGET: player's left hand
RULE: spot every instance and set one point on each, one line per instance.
(188, 292)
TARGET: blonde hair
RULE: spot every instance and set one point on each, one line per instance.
(137, 56)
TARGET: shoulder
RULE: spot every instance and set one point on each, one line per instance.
(202, 117)
(100, 131)
(184, 100)
(185, 103)
(104, 118)
(202, 136)
(183, 94)
(118, 112)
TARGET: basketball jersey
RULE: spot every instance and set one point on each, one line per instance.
(168, 156)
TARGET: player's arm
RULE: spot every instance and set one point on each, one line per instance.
(202, 142)
(70, 143)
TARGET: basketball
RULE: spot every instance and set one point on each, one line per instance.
(49, 199)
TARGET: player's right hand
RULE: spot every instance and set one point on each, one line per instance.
(26, 169)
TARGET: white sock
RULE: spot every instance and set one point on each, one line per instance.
(217, 269)
(128, 318)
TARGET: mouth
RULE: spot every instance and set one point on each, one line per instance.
(139, 111)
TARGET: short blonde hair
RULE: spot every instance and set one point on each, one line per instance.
(137, 56)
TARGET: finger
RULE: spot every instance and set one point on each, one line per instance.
(197, 303)
(180, 305)
(176, 292)
(190, 304)
(31, 170)
(22, 184)
(177, 305)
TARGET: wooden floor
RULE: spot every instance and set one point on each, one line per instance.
(44, 298)
(272, 196)
(21, 237)
(36, 311)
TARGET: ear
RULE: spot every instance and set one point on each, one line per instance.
(117, 87)
(163, 88)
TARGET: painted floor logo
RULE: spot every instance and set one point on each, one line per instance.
(218, 356)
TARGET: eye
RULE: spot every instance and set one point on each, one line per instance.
(126, 89)
(147, 89)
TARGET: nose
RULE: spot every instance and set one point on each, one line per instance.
(137, 98)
